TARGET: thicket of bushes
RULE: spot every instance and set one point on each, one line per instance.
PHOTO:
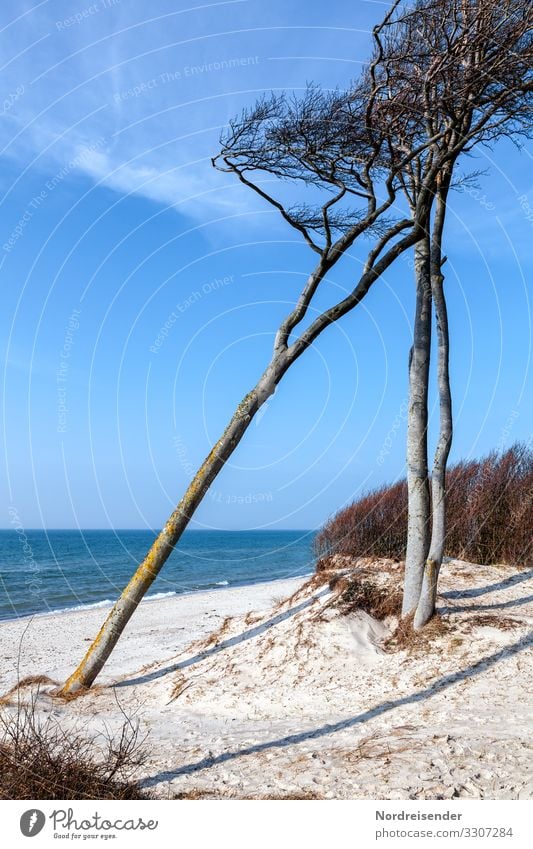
(489, 514)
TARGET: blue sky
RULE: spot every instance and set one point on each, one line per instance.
(114, 224)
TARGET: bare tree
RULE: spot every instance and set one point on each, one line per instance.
(352, 153)
(470, 66)
(338, 146)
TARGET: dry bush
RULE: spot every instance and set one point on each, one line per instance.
(40, 760)
(361, 593)
(376, 525)
(490, 508)
(489, 514)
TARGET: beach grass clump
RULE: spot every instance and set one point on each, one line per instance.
(416, 642)
(41, 760)
(362, 593)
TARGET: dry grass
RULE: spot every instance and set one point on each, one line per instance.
(315, 582)
(40, 760)
(302, 795)
(492, 620)
(368, 584)
(416, 642)
(209, 794)
(362, 593)
(31, 680)
(181, 684)
(382, 746)
(216, 636)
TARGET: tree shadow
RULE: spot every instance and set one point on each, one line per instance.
(225, 644)
(331, 728)
(503, 605)
(491, 588)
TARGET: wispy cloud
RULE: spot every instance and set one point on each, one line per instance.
(155, 85)
(146, 113)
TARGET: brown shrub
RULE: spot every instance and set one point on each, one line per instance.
(376, 525)
(489, 514)
(40, 760)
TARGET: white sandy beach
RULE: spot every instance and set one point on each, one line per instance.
(291, 699)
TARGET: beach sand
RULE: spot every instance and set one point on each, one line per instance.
(266, 691)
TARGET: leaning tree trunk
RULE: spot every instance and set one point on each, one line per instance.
(125, 606)
(284, 356)
(418, 523)
(428, 595)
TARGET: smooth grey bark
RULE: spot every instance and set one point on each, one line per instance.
(418, 523)
(428, 593)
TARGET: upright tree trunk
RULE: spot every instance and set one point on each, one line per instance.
(149, 569)
(418, 525)
(428, 595)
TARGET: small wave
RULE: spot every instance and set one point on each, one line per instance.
(159, 595)
(107, 602)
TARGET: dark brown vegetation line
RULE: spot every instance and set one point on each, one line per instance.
(489, 514)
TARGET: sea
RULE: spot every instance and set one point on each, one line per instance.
(51, 571)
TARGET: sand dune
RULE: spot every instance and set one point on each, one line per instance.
(270, 691)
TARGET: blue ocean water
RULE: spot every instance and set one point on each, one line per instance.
(44, 571)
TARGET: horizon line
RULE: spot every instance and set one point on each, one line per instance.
(155, 531)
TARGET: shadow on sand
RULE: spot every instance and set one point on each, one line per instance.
(331, 728)
(503, 605)
(225, 644)
(491, 588)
